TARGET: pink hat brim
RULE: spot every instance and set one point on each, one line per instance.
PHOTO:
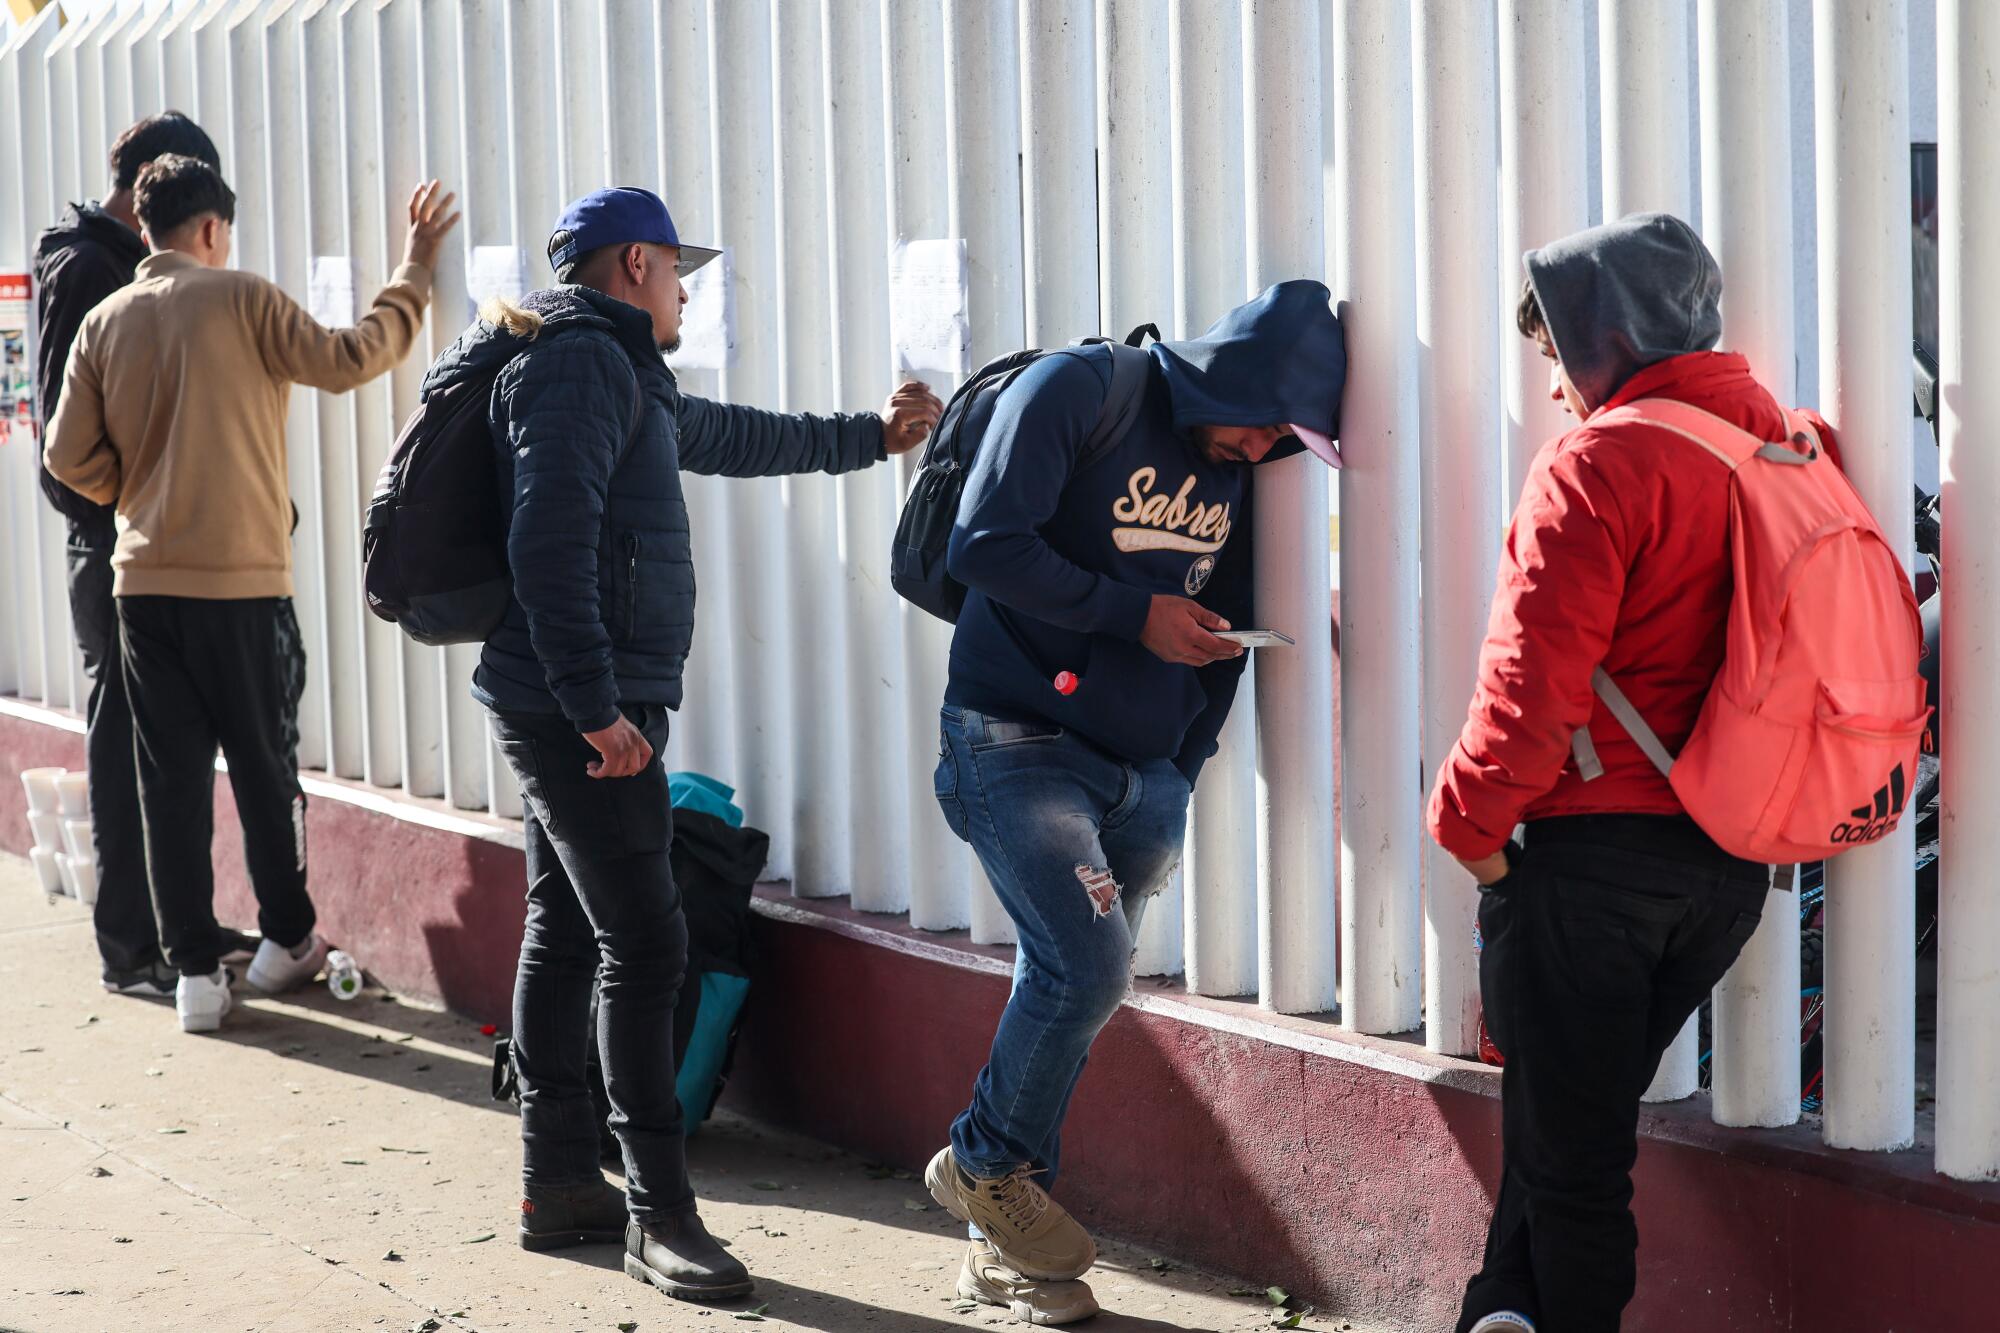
(1323, 447)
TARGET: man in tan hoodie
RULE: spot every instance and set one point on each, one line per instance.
(173, 410)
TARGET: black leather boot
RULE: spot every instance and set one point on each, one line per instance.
(677, 1255)
(554, 1218)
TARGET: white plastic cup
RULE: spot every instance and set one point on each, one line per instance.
(41, 785)
(46, 867)
(73, 792)
(76, 840)
(48, 831)
(66, 869)
(83, 871)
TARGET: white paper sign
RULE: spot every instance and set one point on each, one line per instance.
(708, 320)
(929, 291)
(496, 270)
(330, 291)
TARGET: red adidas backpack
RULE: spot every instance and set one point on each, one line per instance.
(1807, 744)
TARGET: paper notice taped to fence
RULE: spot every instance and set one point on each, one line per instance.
(496, 270)
(708, 321)
(330, 291)
(930, 329)
(17, 375)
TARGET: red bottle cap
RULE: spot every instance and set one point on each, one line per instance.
(1066, 682)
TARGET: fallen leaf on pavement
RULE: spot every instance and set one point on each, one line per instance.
(477, 1240)
(916, 1207)
(99, 1172)
(173, 1131)
(392, 1258)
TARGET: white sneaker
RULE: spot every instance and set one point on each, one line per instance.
(202, 1001)
(276, 969)
(1504, 1321)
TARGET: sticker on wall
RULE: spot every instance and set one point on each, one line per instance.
(330, 291)
(930, 329)
(497, 270)
(708, 321)
(17, 372)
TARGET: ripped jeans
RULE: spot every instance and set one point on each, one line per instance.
(1075, 841)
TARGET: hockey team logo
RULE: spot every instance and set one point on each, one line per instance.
(1197, 575)
(1870, 822)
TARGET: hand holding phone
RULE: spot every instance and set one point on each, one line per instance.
(1257, 638)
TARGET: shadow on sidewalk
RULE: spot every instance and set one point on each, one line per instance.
(311, 1026)
(803, 1307)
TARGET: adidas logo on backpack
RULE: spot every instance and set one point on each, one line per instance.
(1818, 694)
(1872, 822)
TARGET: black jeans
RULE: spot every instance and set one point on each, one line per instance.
(202, 673)
(603, 909)
(127, 938)
(1600, 942)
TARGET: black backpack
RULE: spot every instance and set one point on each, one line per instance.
(434, 544)
(917, 560)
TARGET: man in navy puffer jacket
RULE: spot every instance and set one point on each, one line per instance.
(592, 434)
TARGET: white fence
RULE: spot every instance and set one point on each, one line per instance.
(1110, 163)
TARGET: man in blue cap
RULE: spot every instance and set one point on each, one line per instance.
(591, 434)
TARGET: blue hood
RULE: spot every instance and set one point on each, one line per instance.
(1278, 359)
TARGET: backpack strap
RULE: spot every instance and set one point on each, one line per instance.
(1733, 447)
(1130, 366)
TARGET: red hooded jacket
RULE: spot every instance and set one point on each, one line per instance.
(1617, 556)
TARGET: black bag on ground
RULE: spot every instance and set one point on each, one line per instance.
(434, 544)
(917, 560)
(715, 868)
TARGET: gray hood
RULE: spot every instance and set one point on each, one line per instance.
(1623, 296)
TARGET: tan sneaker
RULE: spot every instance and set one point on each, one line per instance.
(1030, 1231)
(987, 1279)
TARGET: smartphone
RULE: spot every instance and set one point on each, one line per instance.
(1257, 638)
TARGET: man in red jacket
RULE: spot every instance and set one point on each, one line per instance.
(1615, 915)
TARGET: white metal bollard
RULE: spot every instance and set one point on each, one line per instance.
(1544, 195)
(1458, 211)
(982, 124)
(1643, 75)
(399, 55)
(746, 213)
(1295, 805)
(817, 631)
(324, 235)
(1205, 71)
(878, 776)
(1381, 817)
(913, 42)
(1861, 90)
(1746, 145)
(1968, 1083)
(1136, 276)
(684, 172)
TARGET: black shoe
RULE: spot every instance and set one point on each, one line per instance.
(556, 1218)
(154, 981)
(234, 946)
(677, 1255)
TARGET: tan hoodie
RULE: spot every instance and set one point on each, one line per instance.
(173, 409)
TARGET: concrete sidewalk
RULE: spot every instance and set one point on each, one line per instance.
(323, 1166)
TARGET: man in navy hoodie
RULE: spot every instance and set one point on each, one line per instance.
(1087, 689)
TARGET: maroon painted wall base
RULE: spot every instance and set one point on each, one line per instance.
(1284, 1150)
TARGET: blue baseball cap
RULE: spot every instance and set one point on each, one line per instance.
(624, 215)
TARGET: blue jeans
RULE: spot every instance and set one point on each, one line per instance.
(1075, 840)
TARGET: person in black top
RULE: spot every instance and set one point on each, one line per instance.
(92, 252)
